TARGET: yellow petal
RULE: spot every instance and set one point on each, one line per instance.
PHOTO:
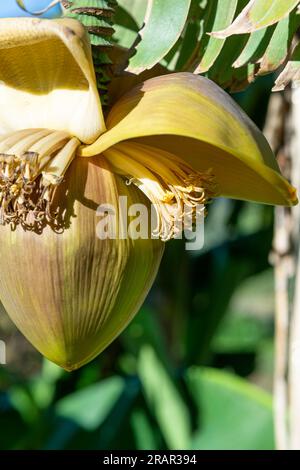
(191, 117)
(47, 78)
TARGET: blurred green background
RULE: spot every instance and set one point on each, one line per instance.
(192, 371)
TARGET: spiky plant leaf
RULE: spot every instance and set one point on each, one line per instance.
(291, 71)
(224, 15)
(258, 14)
(163, 25)
(280, 43)
(256, 39)
(255, 47)
(128, 21)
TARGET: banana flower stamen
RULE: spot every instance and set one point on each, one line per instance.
(176, 191)
(32, 164)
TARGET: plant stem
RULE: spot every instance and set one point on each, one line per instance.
(287, 274)
(276, 130)
(282, 314)
(294, 347)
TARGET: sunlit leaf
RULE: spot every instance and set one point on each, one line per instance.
(128, 21)
(222, 70)
(89, 407)
(164, 400)
(143, 431)
(232, 413)
(258, 14)
(164, 22)
(224, 14)
(291, 71)
(280, 44)
(255, 47)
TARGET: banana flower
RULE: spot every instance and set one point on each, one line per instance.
(172, 141)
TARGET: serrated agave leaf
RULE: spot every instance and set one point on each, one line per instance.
(291, 72)
(193, 33)
(201, 17)
(192, 118)
(69, 291)
(222, 71)
(47, 78)
(255, 47)
(280, 44)
(128, 20)
(224, 14)
(165, 19)
(258, 14)
(205, 46)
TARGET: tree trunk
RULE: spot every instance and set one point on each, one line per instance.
(283, 132)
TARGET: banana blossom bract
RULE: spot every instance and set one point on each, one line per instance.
(173, 141)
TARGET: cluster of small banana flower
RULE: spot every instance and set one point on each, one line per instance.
(178, 139)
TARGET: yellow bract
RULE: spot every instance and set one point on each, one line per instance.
(69, 292)
(47, 78)
(191, 117)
